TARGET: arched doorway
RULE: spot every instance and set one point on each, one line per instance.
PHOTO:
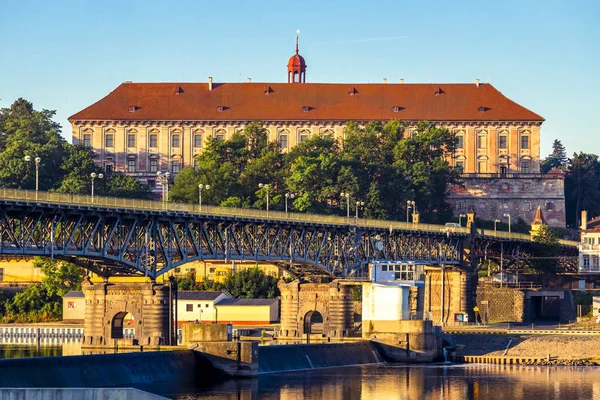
(313, 322)
(116, 325)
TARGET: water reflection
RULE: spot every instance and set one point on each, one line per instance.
(455, 382)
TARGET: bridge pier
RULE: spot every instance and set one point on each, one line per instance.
(457, 291)
(107, 304)
(317, 310)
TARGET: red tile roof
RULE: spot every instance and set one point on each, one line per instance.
(324, 101)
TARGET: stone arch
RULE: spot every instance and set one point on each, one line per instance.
(114, 319)
(313, 322)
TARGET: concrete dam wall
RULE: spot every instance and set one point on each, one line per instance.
(296, 357)
(102, 370)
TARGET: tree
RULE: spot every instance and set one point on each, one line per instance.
(26, 131)
(421, 159)
(582, 187)
(549, 238)
(250, 283)
(121, 185)
(43, 301)
(556, 159)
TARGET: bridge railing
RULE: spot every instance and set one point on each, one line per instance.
(152, 205)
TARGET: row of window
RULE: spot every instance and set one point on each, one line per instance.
(482, 142)
(109, 140)
(482, 166)
(549, 206)
(153, 167)
(591, 261)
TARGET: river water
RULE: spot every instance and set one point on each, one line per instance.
(453, 382)
(373, 382)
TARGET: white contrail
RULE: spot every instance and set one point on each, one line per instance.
(377, 39)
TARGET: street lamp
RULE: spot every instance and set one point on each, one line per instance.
(266, 186)
(495, 222)
(288, 196)
(163, 178)
(93, 176)
(200, 187)
(460, 217)
(507, 215)
(37, 173)
(347, 196)
(359, 204)
(410, 204)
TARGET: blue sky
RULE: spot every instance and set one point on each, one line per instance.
(65, 55)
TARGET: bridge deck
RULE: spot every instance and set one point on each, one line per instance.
(31, 196)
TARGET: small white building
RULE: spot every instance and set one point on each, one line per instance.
(589, 247)
(73, 307)
(198, 306)
(386, 298)
(247, 311)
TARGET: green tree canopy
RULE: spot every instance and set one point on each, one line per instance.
(63, 167)
(557, 159)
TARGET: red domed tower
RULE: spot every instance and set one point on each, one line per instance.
(296, 67)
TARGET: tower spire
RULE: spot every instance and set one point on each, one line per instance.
(297, 44)
(296, 66)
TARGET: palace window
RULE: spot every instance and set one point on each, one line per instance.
(189, 307)
(525, 166)
(220, 135)
(549, 206)
(109, 140)
(153, 140)
(586, 261)
(460, 142)
(131, 165)
(481, 142)
(151, 183)
(283, 141)
(197, 140)
(482, 166)
(153, 165)
(175, 141)
(87, 140)
(524, 142)
(109, 169)
(527, 206)
(130, 140)
(460, 165)
(175, 167)
(502, 143)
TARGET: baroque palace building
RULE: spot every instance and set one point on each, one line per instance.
(143, 128)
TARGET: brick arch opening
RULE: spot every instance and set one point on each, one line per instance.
(313, 322)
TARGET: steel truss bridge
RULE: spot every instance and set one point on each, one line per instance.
(116, 236)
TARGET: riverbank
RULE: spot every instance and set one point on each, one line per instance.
(541, 349)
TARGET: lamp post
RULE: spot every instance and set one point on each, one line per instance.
(507, 215)
(410, 204)
(163, 178)
(288, 196)
(266, 186)
(495, 222)
(93, 176)
(200, 188)
(359, 204)
(37, 173)
(460, 217)
(347, 196)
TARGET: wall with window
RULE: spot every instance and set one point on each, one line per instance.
(518, 196)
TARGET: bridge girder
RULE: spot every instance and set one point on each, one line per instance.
(111, 241)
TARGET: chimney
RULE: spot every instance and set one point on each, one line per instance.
(583, 220)
(384, 80)
(210, 83)
(249, 80)
(401, 80)
(477, 82)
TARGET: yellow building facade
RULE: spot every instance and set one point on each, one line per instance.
(144, 128)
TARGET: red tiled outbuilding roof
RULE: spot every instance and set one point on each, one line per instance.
(307, 101)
